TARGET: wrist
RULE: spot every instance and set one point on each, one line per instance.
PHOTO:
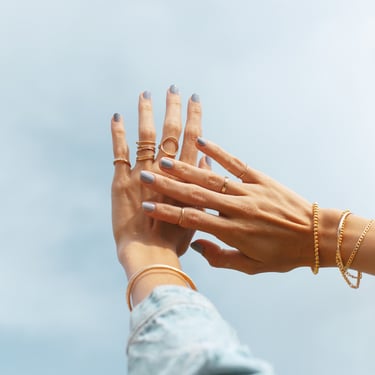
(136, 255)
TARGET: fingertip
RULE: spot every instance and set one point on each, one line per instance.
(148, 206)
(116, 117)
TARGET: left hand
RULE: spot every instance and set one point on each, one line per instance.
(139, 238)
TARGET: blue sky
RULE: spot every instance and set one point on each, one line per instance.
(285, 85)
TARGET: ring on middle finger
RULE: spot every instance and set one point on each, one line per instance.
(147, 146)
(162, 146)
(225, 185)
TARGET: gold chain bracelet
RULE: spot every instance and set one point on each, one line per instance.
(315, 269)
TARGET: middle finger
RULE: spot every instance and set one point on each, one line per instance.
(172, 125)
(202, 177)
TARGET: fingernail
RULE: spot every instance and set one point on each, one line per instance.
(166, 163)
(208, 161)
(197, 247)
(117, 117)
(147, 177)
(148, 206)
(147, 95)
(195, 98)
(173, 89)
(201, 141)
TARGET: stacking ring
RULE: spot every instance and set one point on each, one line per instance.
(244, 172)
(225, 185)
(181, 216)
(123, 160)
(174, 140)
(145, 146)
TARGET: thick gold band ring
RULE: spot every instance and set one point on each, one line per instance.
(123, 160)
(225, 185)
(161, 146)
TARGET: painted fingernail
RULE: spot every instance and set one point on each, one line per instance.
(147, 177)
(208, 161)
(201, 141)
(116, 117)
(148, 206)
(197, 247)
(195, 98)
(147, 95)
(166, 163)
(174, 89)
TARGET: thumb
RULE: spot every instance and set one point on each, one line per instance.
(225, 258)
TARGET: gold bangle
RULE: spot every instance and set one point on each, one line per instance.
(315, 269)
(183, 276)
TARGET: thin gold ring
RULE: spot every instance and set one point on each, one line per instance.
(243, 173)
(126, 161)
(174, 140)
(146, 157)
(181, 218)
(225, 185)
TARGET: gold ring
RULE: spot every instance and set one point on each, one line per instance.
(181, 216)
(225, 185)
(243, 173)
(145, 146)
(174, 140)
(126, 161)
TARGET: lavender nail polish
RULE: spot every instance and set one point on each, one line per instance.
(208, 161)
(147, 177)
(195, 98)
(201, 141)
(148, 206)
(146, 95)
(116, 117)
(174, 89)
(197, 247)
(166, 163)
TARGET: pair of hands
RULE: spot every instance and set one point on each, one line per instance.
(268, 226)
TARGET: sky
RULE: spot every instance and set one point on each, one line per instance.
(287, 86)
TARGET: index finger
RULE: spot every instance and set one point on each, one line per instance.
(120, 147)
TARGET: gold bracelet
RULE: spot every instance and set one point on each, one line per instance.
(183, 276)
(344, 268)
(315, 269)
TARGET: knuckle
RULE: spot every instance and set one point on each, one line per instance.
(193, 218)
(213, 183)
(118, 186)
(173, 123)
(145, 106)
(198, 196)
(147, 134)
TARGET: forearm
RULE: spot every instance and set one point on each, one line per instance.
(137, 256)
(365, 258)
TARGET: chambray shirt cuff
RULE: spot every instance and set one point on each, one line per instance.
(177, 330)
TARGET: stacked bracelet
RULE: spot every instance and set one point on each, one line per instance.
(340, 236)
(159, 267)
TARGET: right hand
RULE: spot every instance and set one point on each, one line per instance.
(269, 226)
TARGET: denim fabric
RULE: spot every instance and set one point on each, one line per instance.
(178, 331)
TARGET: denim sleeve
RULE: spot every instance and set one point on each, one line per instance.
(176, 330)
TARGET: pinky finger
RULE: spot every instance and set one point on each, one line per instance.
(224, 258)
(186, 217)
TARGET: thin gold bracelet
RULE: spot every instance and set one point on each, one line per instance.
(344, 269)
(183, 276)
(315, 269)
